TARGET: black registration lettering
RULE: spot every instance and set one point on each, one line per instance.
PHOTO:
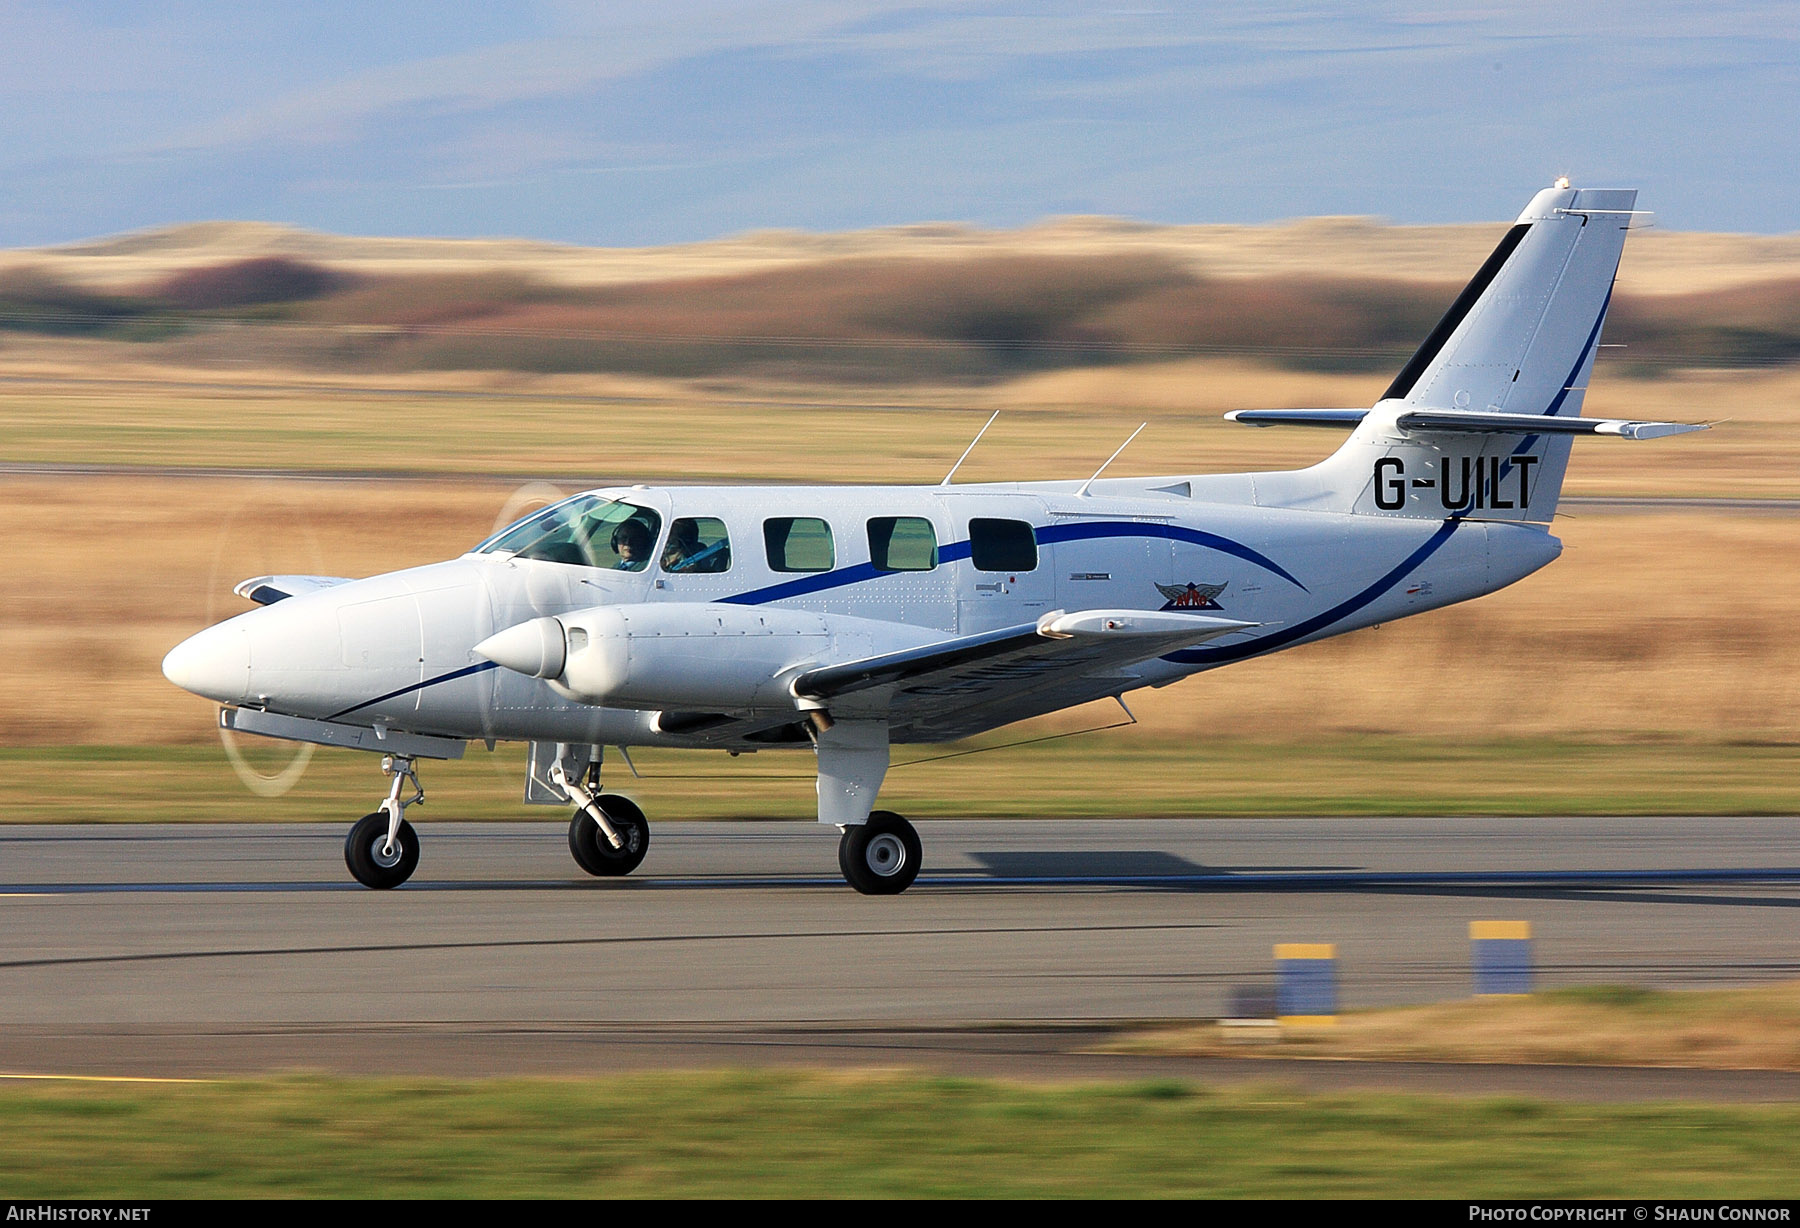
(1390, 486)
(1465, 483)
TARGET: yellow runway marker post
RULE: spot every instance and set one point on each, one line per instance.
(1306, 983)
(1501, 954)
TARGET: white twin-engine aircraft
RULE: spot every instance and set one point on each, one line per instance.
(844, 619)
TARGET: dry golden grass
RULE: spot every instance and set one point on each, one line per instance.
(1650, 626)
(258, 413)
(105, 576)
(1737, 1029)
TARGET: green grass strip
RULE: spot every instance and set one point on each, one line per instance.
(786, 1134)
(1126, 773)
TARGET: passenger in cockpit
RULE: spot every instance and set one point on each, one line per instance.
(684, 545)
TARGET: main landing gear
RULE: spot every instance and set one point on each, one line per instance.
(383, 849)
(878, 851)
(880, 857)
(608, 835)
(594, 852)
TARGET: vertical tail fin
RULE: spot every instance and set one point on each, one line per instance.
(1519, 339)
(1531, 318)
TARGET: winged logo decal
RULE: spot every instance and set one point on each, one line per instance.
(1191, 596)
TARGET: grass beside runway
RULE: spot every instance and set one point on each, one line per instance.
(1127, 772)
(1600, 1025)
(799, 1134)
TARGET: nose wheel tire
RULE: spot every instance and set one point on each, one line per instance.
(372, 863)
(881, 857)
(594, 853)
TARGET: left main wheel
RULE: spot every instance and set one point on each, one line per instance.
(594, 853)
(371, 862)
(880, 857)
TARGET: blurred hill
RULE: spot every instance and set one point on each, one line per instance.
(927, 302)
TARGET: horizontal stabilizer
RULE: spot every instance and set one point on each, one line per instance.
(1342, 418)
(1483, 422)
(1487, 422)
(267, 590)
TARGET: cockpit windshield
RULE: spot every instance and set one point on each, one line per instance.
(586, 531)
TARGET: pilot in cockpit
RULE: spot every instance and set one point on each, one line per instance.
(631, 542)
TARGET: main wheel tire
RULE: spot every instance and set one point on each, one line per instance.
(371, 864)
(594, 853)
(882, 856)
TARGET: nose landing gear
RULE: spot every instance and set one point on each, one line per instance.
(382, 850)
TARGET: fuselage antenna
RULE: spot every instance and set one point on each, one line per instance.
(967, 450)
(1082, 493)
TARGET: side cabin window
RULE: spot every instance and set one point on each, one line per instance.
(798, 543)
(1002, 545)
(902, 543)
(697, 545)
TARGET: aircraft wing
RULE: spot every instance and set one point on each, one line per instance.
(969, 682)
(267, 590)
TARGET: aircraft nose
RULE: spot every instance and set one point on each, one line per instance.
(214, 663)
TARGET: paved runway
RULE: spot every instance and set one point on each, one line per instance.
(198, 949)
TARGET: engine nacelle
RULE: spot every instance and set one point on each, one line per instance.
(673, 655)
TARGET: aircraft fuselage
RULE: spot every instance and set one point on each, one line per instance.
(397, 650)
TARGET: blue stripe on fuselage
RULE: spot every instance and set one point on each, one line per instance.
(955, 552)
(1237, 652)
(452, 676)
(1173, 532)
(952, 552)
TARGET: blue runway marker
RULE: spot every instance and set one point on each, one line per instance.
(1501, 955)
(1306, 983)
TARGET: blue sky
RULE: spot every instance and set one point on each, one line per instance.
(648, 123)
